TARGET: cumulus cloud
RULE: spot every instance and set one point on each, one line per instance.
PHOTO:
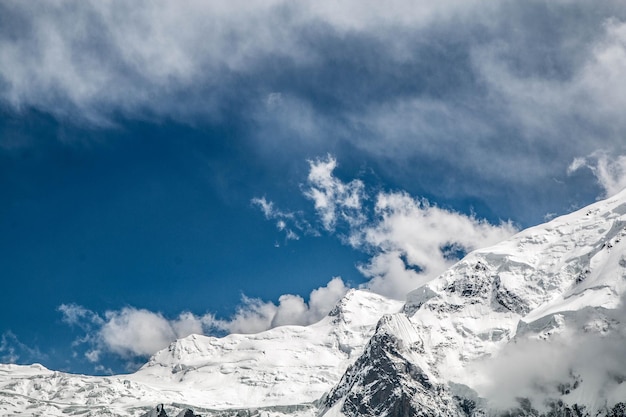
(414, 241)
(133, 334)
(136, 332)
(409, 240)
(255, 315)
(609, 170)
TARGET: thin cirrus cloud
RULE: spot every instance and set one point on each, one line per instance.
(13, 350)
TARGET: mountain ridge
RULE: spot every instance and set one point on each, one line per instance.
(532, 326)
(545, 287)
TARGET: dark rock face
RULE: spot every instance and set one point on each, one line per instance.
(384, 383)
(159, 411)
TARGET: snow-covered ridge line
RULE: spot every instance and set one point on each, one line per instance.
(277, 372)
(506, 322)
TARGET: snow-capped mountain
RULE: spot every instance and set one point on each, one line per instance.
(532, 326)
(280, 371)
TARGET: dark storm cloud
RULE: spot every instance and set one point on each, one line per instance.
(505, 94)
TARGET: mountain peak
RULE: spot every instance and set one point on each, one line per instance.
(359, 305)
(547, 291)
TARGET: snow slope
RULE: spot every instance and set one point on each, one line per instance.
(282, 370)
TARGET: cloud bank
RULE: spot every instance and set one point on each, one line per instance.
(509, 93)
(581, 358)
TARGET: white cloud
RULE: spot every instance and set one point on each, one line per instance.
(132, 333)
(536, 369)
(76, 315)
(285, 221)
(609, 170)
(412, 241)
(93, 355)
(333, 199)
(255, 315)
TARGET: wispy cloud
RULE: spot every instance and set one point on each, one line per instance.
(333, 199)
(409, 240)
(290, 223)
(12, 350)
(609, 170)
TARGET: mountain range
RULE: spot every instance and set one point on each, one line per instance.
(533, 326)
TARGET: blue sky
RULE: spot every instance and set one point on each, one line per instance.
(168, 168)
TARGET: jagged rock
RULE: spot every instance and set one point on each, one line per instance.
(521, 294)
(158, 411)
(385, 382)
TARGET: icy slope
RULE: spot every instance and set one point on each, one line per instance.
(276, 367)
(36, 391)
(281, 371)
(491, 320)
